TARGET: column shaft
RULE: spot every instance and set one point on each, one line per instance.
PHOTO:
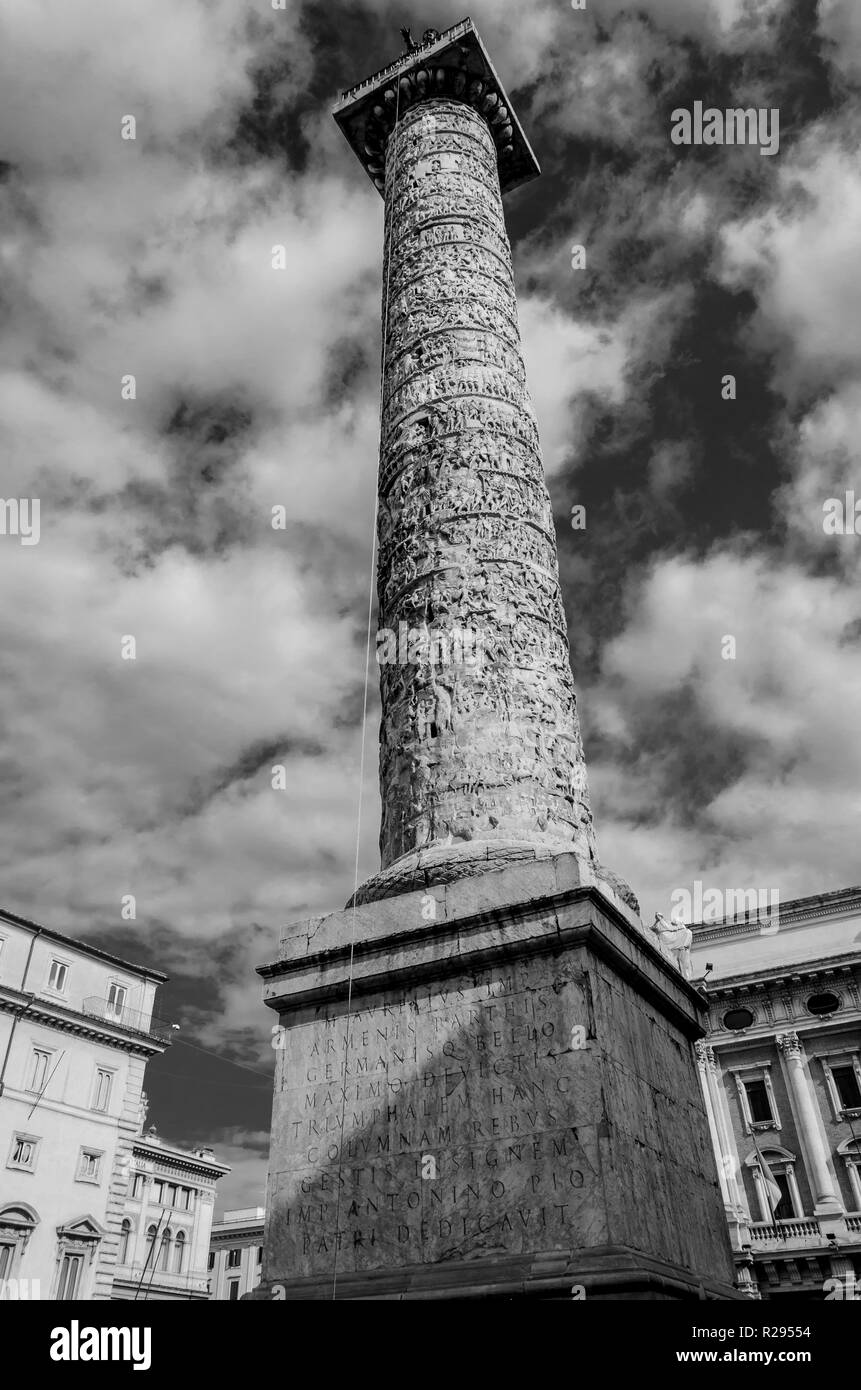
(825, 1198)
(480, 739)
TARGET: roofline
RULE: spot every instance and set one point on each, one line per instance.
(51, 1014)
(158, 1150)
(235, 1230)
(816, 905)
(766, 976)
(144, 971)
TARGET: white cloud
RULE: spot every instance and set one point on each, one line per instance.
(176, 65)
(799, 257)
(790, 697)
(565, 360)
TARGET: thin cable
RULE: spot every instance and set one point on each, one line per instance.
(216, 1081)
(208, 1052)
(47, 1083)
(149, 1253)
(365, 697)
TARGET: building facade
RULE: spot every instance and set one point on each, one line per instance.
(236, 1253)
(76, 1032)
(781, 1076)
(167, 1219)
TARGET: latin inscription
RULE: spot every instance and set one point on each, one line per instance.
(479, 1077)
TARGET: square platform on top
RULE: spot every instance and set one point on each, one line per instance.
(458, 50)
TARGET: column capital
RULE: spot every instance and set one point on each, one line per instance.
(789, 1044)
(705, 1055)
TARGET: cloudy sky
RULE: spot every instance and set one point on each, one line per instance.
(258, 387)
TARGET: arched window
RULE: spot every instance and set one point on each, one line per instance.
(179, 1252)
(125, 1237)
(150, 1242)
(17, 1224)
(777, 1194)
(165, 1247)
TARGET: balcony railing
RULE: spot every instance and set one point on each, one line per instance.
(784, 1232)
(447, 35)
(853, 1223)
(135, 1022)
(160, 1279)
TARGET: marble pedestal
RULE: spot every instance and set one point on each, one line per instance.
(508, 1106)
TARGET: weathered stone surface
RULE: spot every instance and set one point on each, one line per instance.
(486, 1084)
(472, 752)
(534, 1063)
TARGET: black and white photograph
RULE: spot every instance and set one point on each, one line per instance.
(430, 559)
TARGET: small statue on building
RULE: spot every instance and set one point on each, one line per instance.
(408, 39)
(675, 941)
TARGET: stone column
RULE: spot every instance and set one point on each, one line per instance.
(852, 1164)
(826, 1201)
(727, 1161)
(480, 744)
(794, 1190)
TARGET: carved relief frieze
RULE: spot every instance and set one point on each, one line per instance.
(476, 744)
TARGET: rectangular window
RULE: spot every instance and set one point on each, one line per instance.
(70, 1276)
(39, 1064)
(7, 1254)
(260, 1254)
(57, 976)
(233, 1290)
(137, 1185)
(158, 1191)
(89, 1165)
(211, 1264)
(23, 1152)
(757, 1099)
(171, 1194)
(847, 1086)
(187, 1195)
(116, 1001)
(234, 1259)
(102, 1089)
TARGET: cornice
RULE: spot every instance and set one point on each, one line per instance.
(841, 903)
(45, 1011)
(253, 1233)
(175, 1159)
(780, 977)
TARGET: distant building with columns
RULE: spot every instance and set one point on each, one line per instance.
(781, 1075)
(236, 1253)
(165, 1232)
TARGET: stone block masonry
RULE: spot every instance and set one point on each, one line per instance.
(509, 1105)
